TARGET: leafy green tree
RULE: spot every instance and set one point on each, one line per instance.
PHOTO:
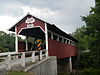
(83, 46)
(93, 31)
(7, 42)
(89, 38)
(82, 38)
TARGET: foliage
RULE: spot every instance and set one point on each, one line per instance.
(82, 38)
(90, 71)
(93, 31)
(7, 42)
(89, 39)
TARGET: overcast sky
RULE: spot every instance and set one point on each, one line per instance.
(65, 14)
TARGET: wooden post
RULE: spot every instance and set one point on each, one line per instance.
(70, 64)
(40, 54)
(26, 43)
(8, 64)
(23, 59)
(66, 42)
(33, 56)
(52, 36)
(58, 38)
(46, 38)
(16, 39)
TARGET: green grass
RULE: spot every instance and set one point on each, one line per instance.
(18, 73)
(63, 73)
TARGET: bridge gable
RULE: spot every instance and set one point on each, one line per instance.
(28, 21)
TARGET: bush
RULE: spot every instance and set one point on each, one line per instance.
(90, 71)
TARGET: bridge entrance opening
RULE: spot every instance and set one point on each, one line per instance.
(35, 39)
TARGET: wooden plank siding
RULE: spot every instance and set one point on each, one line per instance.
(36, 23)
(61, 50)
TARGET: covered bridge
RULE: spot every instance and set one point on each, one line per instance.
(56, 42)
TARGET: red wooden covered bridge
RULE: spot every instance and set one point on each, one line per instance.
(56, 42)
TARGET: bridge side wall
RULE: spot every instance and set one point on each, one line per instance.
(61, 50)
(47, 67)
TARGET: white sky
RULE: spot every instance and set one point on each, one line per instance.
(65, 14)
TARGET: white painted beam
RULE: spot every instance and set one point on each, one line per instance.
(70, 64)
(33, 56)
(26, 43)
(16, 39)
(23, 59)
(46, 38)
(8, 62)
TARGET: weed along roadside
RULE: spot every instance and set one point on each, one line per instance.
(18, 73)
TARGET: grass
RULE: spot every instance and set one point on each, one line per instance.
(63, 73)
(18, 73)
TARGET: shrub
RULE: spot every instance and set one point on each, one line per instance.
(90, 71)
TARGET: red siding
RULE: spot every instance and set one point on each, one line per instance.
(61, 50)
(40, 23)
(21, 46)
(22, 25)
(36, 23)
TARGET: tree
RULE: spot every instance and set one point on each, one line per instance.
(82, 38)
(83, 46)
(7, 42)
(93, 30)
(89, 38)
